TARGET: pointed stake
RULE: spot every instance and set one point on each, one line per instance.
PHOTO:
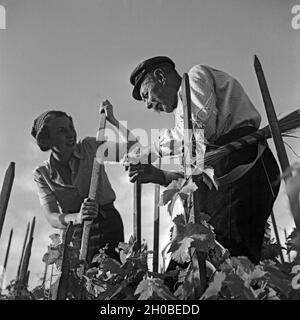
(8, 248)
(156, 225)
(25, 263)
(198, 258)
(277, 235)
(137, 234)
(274, 126)
(23, 250)
(5, 260)
(286, 239)
(5, 192)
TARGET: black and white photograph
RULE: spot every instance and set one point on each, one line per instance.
(150, 151)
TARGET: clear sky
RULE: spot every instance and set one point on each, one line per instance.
(72, 54)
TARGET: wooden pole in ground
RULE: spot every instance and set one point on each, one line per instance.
(45, 277)
(23, 251)
(51, 278)
(5, 192)
(198, 258)
(6, 259)
(137, 226)
(156, 224)
(94, 185)
(277, 235)
(8, 248)
(274, 127)
(26, 259)
(286, 239)
(63, 284)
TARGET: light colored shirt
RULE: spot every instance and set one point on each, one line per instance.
(69, 197)
(219, 104)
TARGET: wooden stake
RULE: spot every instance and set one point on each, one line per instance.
(274, 127)
(137, 234)
(94, 185)
(156, 224)
(62, 289)
(45, 278)
(190, 151)
(51, 277)
(286, 239)
(6, 259)
(23, 251)
(25, 263)
(277, 235)
(8, 248)
(5, 192)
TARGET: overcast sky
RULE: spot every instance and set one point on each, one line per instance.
(71, 55)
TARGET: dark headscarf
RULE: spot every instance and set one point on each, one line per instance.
(38, 130)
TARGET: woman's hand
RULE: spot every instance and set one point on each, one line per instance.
(108, 107)
(88, 211)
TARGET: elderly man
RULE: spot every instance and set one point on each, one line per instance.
(220, 107)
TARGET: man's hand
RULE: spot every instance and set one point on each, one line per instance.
(146, 172)
(88, 211)
(109, 111)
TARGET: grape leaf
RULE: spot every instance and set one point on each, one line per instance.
(208, 175)
(149, 287)
(186, 289)
(53, 255)
(182, 254)
(189, 187)
(45, 257)
(55, 238)
(167, 196)
(215, 286)
(237, 288)
(278, 280)
(192, 234)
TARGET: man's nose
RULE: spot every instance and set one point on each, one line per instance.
(148, 104)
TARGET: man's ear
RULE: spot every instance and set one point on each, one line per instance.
(160, 76)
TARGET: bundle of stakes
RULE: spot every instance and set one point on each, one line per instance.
(288, 126)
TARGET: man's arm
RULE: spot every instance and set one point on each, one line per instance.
(151, 174)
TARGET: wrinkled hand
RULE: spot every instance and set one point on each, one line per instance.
(109, 111)
(88, 211)
(146, 172)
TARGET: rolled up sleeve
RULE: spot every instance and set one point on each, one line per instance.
(45, 194)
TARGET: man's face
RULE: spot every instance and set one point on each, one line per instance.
(157, 95)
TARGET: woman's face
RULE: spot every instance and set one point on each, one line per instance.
(62, 135)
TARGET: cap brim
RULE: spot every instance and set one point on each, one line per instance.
(136, 90)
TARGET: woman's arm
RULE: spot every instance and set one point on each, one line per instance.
(59, 220)
(125, 133)
(53, 214)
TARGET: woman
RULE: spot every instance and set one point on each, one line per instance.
(64, 179)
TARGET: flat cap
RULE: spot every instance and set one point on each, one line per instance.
(138, 74)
